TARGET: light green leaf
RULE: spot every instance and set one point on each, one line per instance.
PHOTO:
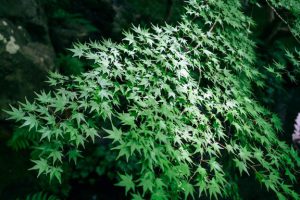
(127, 182)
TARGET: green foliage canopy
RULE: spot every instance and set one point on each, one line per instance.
(176, 102)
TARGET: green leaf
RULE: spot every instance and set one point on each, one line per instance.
(214, 165)
(244, 154)
(46, 133)
(115, 134)
(90, 132)
(147, 184)
(30, 121)
(241, 166)
(15, 114)
(290, 175)
(60, 103)
(55, 172)
(41, 165)
(127, 119)
(127, 182)
(74, 154)
(137, 197)
(56, 155)
(277, 122)
(188, 189)
(79, 117)
(214, 188)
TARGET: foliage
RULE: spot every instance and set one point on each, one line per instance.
(22, 138)
(142, 12)
(177, 104)
(40, 196)
(73, 20)
(69, 65)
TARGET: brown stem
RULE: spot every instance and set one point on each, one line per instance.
(209, 31)
(283, 20)
(212, 27)
(274, 32)
(170, 4)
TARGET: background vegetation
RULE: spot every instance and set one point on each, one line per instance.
(35, 38)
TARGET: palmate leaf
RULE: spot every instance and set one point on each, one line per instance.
(74, 154)
(127, 182)
(137, 197)
(44, 97)
(280, 196)
(78, 50)
(55, 172)
(91, 132)
(15, 114)
(277, 122)
(127, 119)
(241, 165)
(28, 106)
(46, 133)
(244, 154)
(114, 134)
(79, 117)
(59, 103)
(147, 184)
(129, 37)
(30, 121)
(214, 189)
(290, 175)
(56, 156)
(188, 190)
(41, 165)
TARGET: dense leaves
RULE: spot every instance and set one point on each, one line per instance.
(175, 101)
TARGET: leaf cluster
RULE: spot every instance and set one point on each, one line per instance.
(178, 101)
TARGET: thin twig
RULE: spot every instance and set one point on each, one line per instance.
(212, 27)
(275, 11)
(209, 31)
(283, 20)
(169, 10)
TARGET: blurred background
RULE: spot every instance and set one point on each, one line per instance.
(34, 39)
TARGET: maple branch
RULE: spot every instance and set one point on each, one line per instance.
(283, 20)
(212, 27)
(169, 10)
(208, 32)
